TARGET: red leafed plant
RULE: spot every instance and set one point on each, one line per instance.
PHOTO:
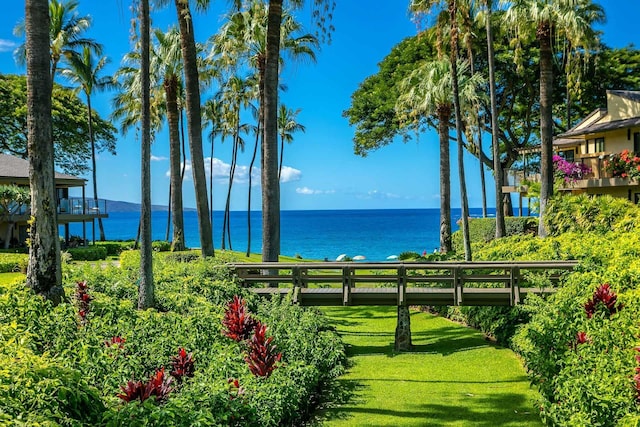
(158, 385)
(238, 322)
(261, 356)
(636, 377)
(235, 389)
(183, 365)
(581, 337)
(605, 296)
(116, 341)
(83, 298)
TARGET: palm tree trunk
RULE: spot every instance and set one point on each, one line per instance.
(444, 114)
(146, 291)
(281, 156)
(456, 105)
(270, 183)
(176, 211)
(253, 160)
(546, 129)
(166, 234)
(194, 124)
(495, 142)
(93, 167)
(43, 271)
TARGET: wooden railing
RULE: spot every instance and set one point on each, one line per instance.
(402, 283)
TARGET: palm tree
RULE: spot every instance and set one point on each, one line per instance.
(269, 178)
(194, 121)
(287, 125)
(428, 91)
(44, 270)
(235, 96)
(85, 72)
(66, 28)
(549, 20)
(495, 141)
(167, 62)
(453, 11)
(146, 291)
(243, 40)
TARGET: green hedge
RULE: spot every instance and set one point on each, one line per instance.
(89, 253)
(482, 230)
(12, 262)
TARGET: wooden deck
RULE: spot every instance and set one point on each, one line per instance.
(401, 283)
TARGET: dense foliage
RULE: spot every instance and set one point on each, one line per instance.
(96, 360)
(482, 230)
(579, 345)
(70, 126)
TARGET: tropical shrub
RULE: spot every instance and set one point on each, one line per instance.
(119, 366)
(88, 253)
(12, 262)
(482, 230)
(588, 214)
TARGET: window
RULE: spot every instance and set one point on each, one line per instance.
(636, 142)
(599, 145)
(568, 155)
(636, 198)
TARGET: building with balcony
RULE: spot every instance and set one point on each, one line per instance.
(15, 171)
(592, 142)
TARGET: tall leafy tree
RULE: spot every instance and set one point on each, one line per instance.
(146, 289)
(495, 139)
(72, 150)
(84, 71)
(194, 121)
(427, 92)
(453, 11)
(235, 96)
(167, 62)
(44, 270)
(548, 21)
(287, 125)
(66, 33)
(243, 41)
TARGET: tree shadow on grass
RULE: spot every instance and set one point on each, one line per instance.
(338, 393)
(493, 410)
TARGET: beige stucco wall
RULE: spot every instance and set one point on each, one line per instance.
(620, 108)
(614, 142)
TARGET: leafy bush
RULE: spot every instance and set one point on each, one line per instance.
(90, 360)
(12, 262)
(88, 253)
(587, 214)
(482, 230)
(114, 248)
(161, 245)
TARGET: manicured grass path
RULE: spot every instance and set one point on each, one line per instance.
(452, 378)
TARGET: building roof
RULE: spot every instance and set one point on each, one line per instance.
(14, 170)
(597, 125)
(631, 95)
(602, 127)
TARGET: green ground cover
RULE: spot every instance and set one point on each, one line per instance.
(454, 377)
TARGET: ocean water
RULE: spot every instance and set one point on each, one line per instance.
(318, 234)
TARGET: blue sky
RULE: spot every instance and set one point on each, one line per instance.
(321, 171)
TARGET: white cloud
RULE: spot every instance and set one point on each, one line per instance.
(308, 191)
(290, 174)
(7, 45)
(378, 195)
(221, 171)
(158, 158)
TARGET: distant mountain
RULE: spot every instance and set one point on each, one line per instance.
(118, 206)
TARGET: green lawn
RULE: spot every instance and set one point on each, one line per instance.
(452, 378)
